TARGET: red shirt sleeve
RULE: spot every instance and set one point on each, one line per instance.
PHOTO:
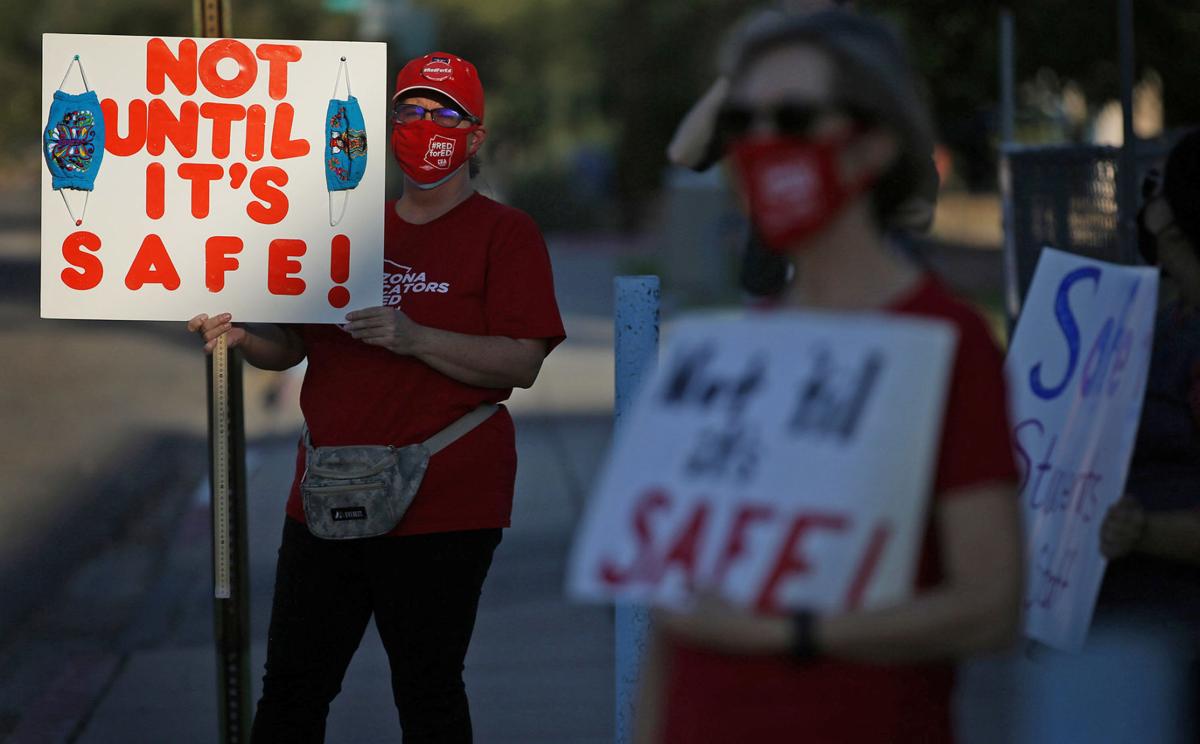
(520, 300)
(976, 447)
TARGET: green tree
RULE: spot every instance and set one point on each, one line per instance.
(614, 74)
(955, 46)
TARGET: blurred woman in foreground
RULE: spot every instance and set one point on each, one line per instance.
(826, 136)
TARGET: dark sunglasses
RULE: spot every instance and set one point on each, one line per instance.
(789, 119)
(405, 113)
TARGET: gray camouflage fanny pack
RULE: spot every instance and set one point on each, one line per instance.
(363, 490)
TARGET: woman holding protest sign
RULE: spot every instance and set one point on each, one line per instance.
(1158, 523)
(469, 313)
(1149, 603)
(826, 137)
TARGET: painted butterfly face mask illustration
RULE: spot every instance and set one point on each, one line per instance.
(345, 144)
(73, 140)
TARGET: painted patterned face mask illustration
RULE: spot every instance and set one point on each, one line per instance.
(73, 141)
(345, 145)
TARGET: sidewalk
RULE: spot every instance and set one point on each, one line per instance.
(539, 670)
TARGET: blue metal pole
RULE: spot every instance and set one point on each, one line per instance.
(1008, 116)
(1008, 86)
(1127, 176)
(635, 319)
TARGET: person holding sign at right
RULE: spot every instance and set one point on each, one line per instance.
(826, 136)
(1159, 521)
(1150, 598)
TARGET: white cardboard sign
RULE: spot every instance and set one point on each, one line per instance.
(1077, 374)
(782, 460)
(211, 194)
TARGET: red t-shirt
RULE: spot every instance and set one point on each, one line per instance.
(480, 269)
(712, 697)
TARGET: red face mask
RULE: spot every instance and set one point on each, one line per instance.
(428, 153)
(793, 186)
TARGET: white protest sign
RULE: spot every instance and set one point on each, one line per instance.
(1077, 374)
(783, 460)
(210, 193)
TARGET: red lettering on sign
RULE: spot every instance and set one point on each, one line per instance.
(256, 132)
(135, 139)
(867, 566)
(88, 270)
(282, 144)
(735, 543)
(152, 265)
(654, 500)
(339, 270)
(155, 191)
(222, 116)
(681, 541)
(162, 64)
(277, 57)
(237, 174)
(281, 267)
(791, 561)
(685, 551)
(240, 83)
(164, 125)
(201, 175)
(218, 252)
(274, 205)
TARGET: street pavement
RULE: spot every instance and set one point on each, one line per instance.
(539, 669)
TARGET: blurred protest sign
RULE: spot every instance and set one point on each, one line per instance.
(213, 193)
(1077, 374)
(782, 460)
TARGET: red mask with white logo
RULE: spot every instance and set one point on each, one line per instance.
(429, 153)
(793, 186)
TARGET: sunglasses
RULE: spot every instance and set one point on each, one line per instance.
(789, 119)
(406, 113)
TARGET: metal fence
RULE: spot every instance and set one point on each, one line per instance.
(1064, 197)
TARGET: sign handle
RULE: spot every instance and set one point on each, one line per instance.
(227, 451)
(219, 423)
(231, 581)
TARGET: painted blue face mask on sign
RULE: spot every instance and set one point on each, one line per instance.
(345, 145)
(73, 141)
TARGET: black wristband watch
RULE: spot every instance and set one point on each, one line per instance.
(804, 641)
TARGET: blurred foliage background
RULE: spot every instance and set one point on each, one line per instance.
(583, 94)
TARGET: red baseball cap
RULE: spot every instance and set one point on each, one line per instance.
(452, 76)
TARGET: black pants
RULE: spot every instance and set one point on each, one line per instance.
(424, 592)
